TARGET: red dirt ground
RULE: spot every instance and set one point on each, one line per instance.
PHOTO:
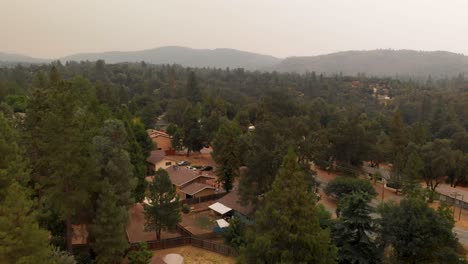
(136, 226)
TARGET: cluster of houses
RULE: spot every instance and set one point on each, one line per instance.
(189, 183)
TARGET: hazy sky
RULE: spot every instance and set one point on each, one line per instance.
(54, 28)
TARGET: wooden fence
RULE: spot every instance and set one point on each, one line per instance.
(218, 248)
(202, 199)
(188, 238)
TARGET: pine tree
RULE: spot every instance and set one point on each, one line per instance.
(21, 238)
(286, 227)
(60, 123)
(162, 212)
(413, 173)
(193, 138)
(108, 227)
(193, 90)
(113, 160)
(351, 232)
(227, 154)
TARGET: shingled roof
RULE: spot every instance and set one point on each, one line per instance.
(195, 188)
(156, 156)
(232, 200)
(181, 175)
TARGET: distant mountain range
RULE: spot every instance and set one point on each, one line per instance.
(372, 63)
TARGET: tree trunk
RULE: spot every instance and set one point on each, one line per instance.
(69, 235)
(188, 152)
(158, 234)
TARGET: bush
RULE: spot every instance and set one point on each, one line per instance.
(343, 186)
(185, 209)
(140, 256)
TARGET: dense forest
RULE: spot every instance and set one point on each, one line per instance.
(73, 146)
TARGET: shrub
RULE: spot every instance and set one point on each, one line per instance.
(185, 209)
(343, 186)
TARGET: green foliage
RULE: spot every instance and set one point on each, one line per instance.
(352, 232)
(263, 158)
(438, 161)
(227, 154)
(417, 233)
(192, 135)
(325, 217)
(62, 257)
(21, 238)
(286, 228)
(140, 256)
(234, 234)
(342, 186)
(59, 126)
(108, 228)
(162, 212)
(113, 160)
(185, 209)
(413, 174)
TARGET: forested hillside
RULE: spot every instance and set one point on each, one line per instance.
(391, 63)
(74, 144)
(402, 64)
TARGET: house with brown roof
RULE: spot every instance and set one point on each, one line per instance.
(161, 139)
(158, 160)
(189, 183)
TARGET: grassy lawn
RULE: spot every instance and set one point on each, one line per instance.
(203, 222)
(194, 255)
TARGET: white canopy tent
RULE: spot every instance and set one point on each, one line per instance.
(219, 208)
(222, 223)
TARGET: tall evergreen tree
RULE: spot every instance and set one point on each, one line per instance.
(227, 154)
(21, 238)
(113, 160)
(193, 90)
(413, 173)
(286, 227)
(60, 123)
(108, 228)
(162, 212)
(352, 232)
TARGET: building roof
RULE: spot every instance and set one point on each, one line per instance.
(156, 156)
(182, 175)
(222, 223)
(153, 133)
(195, 188)
(232, 200)
(219, 208)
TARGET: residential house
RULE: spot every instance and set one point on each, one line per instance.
(189, 183)
(161, 140)
(158, 160)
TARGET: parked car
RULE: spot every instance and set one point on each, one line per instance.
(183, 163)
(206, 168)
